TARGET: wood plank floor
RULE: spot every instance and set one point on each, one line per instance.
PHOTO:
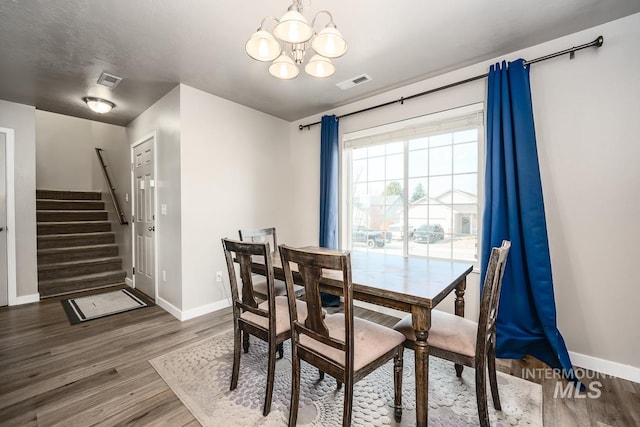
(97, 373)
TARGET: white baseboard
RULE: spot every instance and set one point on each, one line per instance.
(170, 308)
(128, 281)
(26, 299)
(194, 312)
(205, 309)
(608, 367)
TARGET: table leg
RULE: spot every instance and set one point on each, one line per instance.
(459, 310)
(421, 324)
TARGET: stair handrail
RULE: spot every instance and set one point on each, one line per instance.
(112, 190)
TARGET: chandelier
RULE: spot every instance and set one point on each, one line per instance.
(293, 31)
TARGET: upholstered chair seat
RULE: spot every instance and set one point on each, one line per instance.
(448, 332)
(370, 341)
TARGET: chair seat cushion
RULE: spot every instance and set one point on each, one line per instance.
(448, 332)
(370, 340)
(280, 288)
(283, 323)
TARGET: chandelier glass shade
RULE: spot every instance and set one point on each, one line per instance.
(294, 30)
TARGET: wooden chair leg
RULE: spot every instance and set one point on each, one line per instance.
(481, 394)
(236, 358)
(348, 402)
(245, 342)
(280, 349)
(295, 387)
(321, 374)
(397, 384)
(271, 370)
(493, 380)
(339, 384)
(459, 369)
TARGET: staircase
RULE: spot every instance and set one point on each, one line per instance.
(76, 247)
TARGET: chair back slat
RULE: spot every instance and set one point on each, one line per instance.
(311, 279)
(491, 295)
(260, 235)
(241, 254)
(311, 264)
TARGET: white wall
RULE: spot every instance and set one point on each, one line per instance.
(586, 113)
(164, 118)
(234, 174)
(66, 160)
(65, 152)
(21, 118)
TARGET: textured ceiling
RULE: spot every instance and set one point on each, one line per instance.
(53, 51)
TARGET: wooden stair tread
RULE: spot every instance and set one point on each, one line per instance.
(72, 222)
(71, 210)
(84, 277)
(54, 265)
(67, 195)
(76, 248)
(74, 235)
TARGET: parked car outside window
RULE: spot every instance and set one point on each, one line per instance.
(428, 233)
(396, 231)
(372, 238)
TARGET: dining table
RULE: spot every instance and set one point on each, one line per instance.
(409, 284)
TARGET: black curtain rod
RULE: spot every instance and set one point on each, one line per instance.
(596, 43)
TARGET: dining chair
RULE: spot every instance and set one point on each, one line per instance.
(268, 320)
(261, 235)
(464, 341)
(344, 346)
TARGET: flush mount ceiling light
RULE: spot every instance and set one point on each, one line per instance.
(294, 31)
(99, 105)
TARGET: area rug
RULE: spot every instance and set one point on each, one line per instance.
(90, 307)
(200, 373)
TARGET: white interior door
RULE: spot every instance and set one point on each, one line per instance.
(4, 289)
(144, 217)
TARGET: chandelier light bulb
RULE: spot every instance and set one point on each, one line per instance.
(293, 28)
(284, 68)
(262, 46)
(320, 66)
(329, 43)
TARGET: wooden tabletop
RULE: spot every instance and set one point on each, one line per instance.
(392, 280)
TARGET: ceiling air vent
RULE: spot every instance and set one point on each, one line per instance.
(353, 82)
(109, 80)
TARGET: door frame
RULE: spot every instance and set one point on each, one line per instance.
(12, 284)
(152, 136)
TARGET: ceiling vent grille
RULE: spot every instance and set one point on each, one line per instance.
(355, 81)
(109, 80)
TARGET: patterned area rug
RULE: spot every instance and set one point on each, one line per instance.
(200, 374)
(103, 304)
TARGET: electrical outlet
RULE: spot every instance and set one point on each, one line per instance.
(219, 276)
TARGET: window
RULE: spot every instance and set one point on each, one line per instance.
(412, 186)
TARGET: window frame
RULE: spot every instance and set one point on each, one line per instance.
(375, 136)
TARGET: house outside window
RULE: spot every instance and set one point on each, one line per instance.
(412, 187)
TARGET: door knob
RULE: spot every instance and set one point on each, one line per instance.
(153, 228)
(1, 228)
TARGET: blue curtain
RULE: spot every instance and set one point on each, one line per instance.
(514, 210)
(329, 149)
